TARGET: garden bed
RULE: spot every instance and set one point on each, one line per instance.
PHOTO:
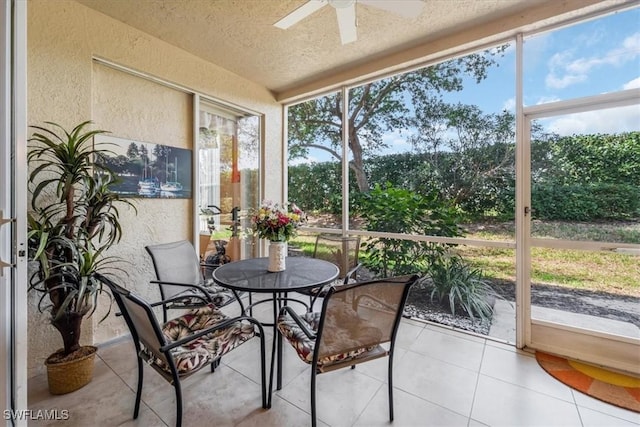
(601, 304)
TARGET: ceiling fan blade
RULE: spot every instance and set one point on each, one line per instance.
(405, 8)
(300, 13)
(347, 23)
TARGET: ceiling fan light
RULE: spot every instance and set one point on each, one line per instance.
(341, 4)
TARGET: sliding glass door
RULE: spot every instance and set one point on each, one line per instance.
(228, 180)
(584, 234)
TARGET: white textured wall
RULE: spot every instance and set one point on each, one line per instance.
(66, 86)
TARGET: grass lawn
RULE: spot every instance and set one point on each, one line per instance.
(598, 271)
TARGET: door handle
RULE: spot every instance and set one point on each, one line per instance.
(4, 264)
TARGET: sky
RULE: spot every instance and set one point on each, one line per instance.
(590, 58)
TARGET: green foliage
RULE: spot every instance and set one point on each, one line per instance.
(456, 284)
(318, 186)
(586, 202)
(396, 210)
(73, 220)
(375, 108)
(596, 159)
(573, 179)
(588, 177)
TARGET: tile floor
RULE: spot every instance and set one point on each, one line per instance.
(442, 378)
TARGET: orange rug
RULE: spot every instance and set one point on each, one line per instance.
(611, 387)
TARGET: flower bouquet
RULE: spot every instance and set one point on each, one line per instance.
(276, 222)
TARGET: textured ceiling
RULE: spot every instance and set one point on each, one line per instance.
(239, 35)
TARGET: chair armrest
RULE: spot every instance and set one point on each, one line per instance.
(351, 274)
(225, 323)
(296, 318)
(186, 285)
(178, 298)
(209, 264)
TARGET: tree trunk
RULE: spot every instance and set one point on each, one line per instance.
(69, 327)
(358, 163)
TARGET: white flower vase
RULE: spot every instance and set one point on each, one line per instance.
(277, 256)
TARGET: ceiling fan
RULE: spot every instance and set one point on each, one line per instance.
(346, 13)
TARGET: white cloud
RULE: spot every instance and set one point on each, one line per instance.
(614, 120)
(566, 71)
(546, 100)
(509, 105)
(556, 82)
(633, 84)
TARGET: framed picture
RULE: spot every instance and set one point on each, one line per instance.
(147, 170)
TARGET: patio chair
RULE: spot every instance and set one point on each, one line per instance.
(355, 320)
(179, 275)
(186, 344)
(344, 253)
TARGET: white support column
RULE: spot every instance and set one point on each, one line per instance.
(522, 203)
(345, 160)
(13, 200)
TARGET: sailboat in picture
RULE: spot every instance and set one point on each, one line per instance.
(147, 185)
(171, 186)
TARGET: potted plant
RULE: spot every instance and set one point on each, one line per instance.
(72, 221)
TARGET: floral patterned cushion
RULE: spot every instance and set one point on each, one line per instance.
(344, 330)
(219, 295)
(199, 352)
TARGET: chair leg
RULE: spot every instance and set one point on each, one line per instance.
(313, 397)
(136, 409)
(266, 403)
(164, 313)
(276, 332)
(176, 385)
(390, 381)
(215, 364)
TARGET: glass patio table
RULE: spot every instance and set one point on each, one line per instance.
(251, 275)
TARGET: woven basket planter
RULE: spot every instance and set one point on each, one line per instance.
(65, 377)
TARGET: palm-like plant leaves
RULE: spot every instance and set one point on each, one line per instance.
(74, 219)
(462, 287)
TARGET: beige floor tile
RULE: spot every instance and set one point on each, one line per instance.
(341, 395)
(588, 402)
(409, 411)
(120, 356)
(219, 399)
(245, 359)
(96, 404)
(441, 377)
(498, 403)
(146, 418)
(457, 333)
(592, 418)
(407, 333)
(436, 381)
(281, 414)
(475, 423)
(154, 387)
(378, 368)
(523, 370)
(453, 349)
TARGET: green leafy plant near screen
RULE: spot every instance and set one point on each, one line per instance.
(454, 283)
(396, 210)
